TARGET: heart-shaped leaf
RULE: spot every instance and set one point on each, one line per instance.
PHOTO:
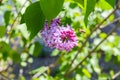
(34, 19)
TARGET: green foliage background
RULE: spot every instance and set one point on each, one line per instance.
(23, 20)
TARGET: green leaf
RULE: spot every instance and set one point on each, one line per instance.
(81, 3)
(30, 60)
(51, 8)
(90, 4)
(66, 20)
(22, 77)
(7, 17)
(108, 57)
(104, 4)
(2, 31)
(22, 19)
(72, 5)
(55, 52)
(86, 73)
(23, 64)
(78, 77)
(15, 56)
(102, 35)
(8, 52)
(4, 49)
(103, 76)
(50, 78)
(35, 49)
(24, 31)
(41, 70)
(111, 2)
(34, 19)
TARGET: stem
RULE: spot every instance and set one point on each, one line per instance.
(116, 75)
(50, 66)
(30, 1)
(89, 54)
(115, 20)
(4, 77)
(84, 43)
(9, 32)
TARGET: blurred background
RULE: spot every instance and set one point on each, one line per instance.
(25, 59)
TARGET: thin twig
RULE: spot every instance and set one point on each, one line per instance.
(115, 20)
(49, 67)
(9, 32)
(30, 1)
(46, 69)
(89, 54)
(93, 30)
(4, 77)
(116, 75)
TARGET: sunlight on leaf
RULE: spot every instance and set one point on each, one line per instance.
(34, 19)
(86, 73)
(51, 8)
(88, 9)
(2, 31)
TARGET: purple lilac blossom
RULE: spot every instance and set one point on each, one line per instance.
(62, 38)
(50, 34)
(68, 38)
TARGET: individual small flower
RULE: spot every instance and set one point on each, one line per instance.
(68, 38)
(55, 22)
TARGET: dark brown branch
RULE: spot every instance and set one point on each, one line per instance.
(115, 20)
(89, 54)
(93, 30)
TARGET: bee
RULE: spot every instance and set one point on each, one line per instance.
(81, 31)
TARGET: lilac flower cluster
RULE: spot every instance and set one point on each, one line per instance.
(62, 38)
